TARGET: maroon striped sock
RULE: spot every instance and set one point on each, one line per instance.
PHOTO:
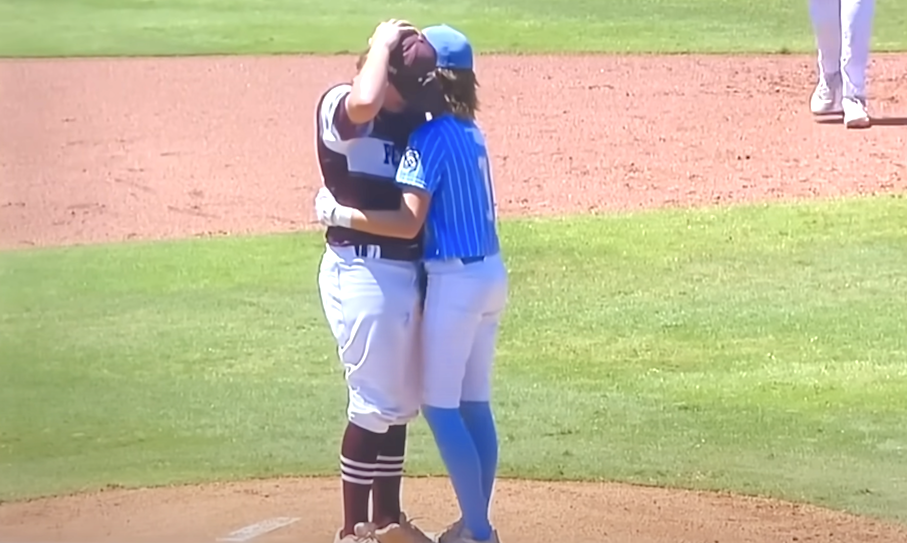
(358, 458)
(388, 477)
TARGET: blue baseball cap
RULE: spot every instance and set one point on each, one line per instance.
(452, 47)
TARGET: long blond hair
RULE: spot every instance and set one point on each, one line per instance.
(460, 91)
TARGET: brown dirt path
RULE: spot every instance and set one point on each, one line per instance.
(109, 150)
(525, 512)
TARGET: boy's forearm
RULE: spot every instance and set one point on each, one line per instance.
(398, 223)
(367, 95)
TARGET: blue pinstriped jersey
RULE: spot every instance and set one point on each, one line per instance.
(447, 157)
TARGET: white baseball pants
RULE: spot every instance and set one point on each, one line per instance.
(464, 304)
(843, 31)
(372, 306)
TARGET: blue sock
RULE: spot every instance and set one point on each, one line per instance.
(480, 424)
(463, 466)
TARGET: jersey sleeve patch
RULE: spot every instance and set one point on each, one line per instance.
(419, 165)
(410, 161)
(411, 170)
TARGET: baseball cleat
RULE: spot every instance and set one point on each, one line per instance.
(451, 533)
(458, 533)
(397, 532)
(364, 533)
(826, 98)
(356, 538)
(855, 115)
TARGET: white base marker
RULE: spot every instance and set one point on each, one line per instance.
(259, 528)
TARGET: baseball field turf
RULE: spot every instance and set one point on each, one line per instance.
(758, 348)
(180, 27)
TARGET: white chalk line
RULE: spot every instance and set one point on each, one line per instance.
(247, 533)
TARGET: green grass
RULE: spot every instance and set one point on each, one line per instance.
(167, 27)
(758, 349)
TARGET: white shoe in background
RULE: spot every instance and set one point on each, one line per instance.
(855, 115)
(826, 98)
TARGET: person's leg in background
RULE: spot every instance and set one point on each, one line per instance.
(826, 21)
(856, 39)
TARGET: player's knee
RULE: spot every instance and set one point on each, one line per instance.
(371, 421)
(441, 398)
(480, 393)
(407, 417)
(442, 384)
(377, 414)
(477, 385)
(379, 422)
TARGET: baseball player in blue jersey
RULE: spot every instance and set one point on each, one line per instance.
(447, 186)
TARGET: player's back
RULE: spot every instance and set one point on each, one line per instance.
(461, 221)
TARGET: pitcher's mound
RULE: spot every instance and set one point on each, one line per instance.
(524, 512)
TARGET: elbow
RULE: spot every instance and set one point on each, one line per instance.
(405, 227)
(413, 208)
(411, 230)
(414, 225)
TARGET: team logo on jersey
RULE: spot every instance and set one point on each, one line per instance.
(410, 160)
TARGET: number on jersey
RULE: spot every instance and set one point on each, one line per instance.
(485, 168)
(489, 189)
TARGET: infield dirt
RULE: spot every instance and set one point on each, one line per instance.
(110, 150)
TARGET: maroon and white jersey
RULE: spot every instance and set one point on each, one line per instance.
(359, 163)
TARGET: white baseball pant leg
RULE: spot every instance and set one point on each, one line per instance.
(843, 32)
(826, 20)
(464, 304)
(372, 306)
(856, 38)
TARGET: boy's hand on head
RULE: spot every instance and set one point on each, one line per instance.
(389, 33)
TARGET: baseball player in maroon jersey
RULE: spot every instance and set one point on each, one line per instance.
(370, 284)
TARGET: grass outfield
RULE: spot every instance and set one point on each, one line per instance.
(169, 27)
(758, 349)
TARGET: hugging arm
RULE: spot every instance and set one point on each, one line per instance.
(418, 174)
(404, 222)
